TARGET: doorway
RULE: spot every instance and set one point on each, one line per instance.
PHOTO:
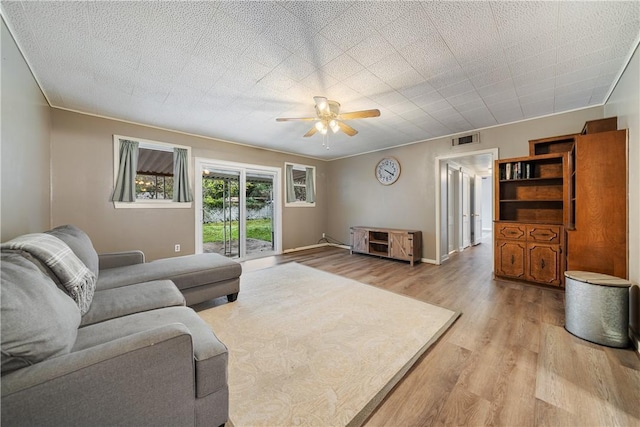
(460, 193)
(237, 209)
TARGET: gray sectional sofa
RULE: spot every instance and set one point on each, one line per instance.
(114, 344)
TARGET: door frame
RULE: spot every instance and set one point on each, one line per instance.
(441, 174)
(201, 162)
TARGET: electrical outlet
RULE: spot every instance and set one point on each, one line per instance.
(177, 248)
(323, 235)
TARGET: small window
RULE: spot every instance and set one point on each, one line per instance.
(300, 185)
(154, 174)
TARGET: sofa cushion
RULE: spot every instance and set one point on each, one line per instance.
(210, 354)
(79, 243)
(185, 271)
(74, 276)
(111, 303)
(39, 321)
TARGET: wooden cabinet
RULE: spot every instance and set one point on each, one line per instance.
(532, 252)
(571, 183)
(398, 244)
(597, 241)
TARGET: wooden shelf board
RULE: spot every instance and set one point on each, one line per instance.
(547, 178)
(379, 242)
(530, 221)
(530, 200)
(378, 253)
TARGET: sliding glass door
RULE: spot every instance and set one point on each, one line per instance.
(237, 209)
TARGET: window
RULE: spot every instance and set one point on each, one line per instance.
(154, 174)
(145, 174)
(300, 185)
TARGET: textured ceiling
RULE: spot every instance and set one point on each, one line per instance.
(227, 69)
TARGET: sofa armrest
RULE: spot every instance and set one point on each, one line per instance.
(143, 379)
(120, 259)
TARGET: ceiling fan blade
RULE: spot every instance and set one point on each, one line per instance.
(359, 114)
(290, 119)
(311, 132)
(347, 129)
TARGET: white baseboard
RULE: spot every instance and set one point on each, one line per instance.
(335, 245)
(304, 248)
(429, 261)
(318, 245)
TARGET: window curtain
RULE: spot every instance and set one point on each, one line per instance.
(125, 190)
(311, 188)
(181, 190)
(291, 193)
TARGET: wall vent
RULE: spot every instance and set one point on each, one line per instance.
(472, 138)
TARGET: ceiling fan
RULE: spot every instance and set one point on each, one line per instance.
(329, 117)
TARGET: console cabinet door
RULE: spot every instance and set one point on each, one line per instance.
(510, 258)
(359, 240)
(545, 263)
(401, 246)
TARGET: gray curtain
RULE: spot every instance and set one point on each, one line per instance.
(125, 190)
(311, 192)
(291, 193)
(181, 190)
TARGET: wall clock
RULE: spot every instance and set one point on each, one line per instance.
(388, 170)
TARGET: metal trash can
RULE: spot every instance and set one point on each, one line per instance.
(597, 307)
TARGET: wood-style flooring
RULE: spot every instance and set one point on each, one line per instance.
(506, 361)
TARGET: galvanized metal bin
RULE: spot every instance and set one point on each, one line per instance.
(597, 307)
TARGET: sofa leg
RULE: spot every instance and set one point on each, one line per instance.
(232, 297)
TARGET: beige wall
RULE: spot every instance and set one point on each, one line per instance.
(356, 198)
(25, 146)
(625, 103)
(82, 179)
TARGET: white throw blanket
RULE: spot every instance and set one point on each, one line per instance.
(76, 278)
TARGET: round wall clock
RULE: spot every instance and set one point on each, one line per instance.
(388, 170)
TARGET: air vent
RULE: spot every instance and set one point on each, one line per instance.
(472, 138)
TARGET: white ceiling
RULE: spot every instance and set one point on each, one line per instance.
(226, 70)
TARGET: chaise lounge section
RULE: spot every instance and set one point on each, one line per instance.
(136, 355)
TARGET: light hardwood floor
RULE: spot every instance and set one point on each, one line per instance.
(506, 361)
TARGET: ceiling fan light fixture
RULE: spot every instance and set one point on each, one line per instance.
(334, 126)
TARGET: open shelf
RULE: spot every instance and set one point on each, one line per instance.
(541, 196)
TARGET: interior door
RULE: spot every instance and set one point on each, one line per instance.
(466, 211)
(476, 211)
(451, 209)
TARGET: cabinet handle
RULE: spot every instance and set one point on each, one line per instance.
(542, 263)
(513, 259)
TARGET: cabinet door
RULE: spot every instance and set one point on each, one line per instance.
(545, 263)
(401, 246)
(510, 258)
(359, 240)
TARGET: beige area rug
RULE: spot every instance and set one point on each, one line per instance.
(311, 348)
